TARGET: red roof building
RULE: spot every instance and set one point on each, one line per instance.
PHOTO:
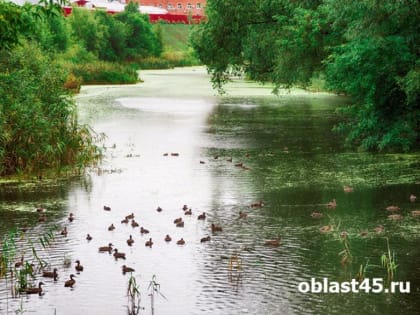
(179, 7)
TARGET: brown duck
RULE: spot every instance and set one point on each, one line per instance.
(188, 212)
(325, 229)
(70, 283)
(126, 269)
(180, 224)
(130, 216)
(130, 241)
(19, 263)
(395, 217)
(78, 266)
(118, 254)
(205, 239)
(144, 231)
(317, 215)
(272, 242)
(177, 220)
(88, 237)
(51, 274)
(202, 216)
(332, 204)
(37, 290)
(64, 231)
(71, 217)
(181, 242)
(106, 248)
(134, 223)
(107, 208)
(392, 208)
(242, 215)
(168, 238)
(149, 243)
(215, 228)
(111, 227)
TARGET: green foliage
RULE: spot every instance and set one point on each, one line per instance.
(38, 120)
(365, 49)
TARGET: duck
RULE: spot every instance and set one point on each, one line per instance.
(144, 231)
(205, 239)
(242, 215)
(174, 154)
(111, 227)
(159, 209)
(332, 204)
(37, 290)
(149, 243)
(215, 228)
(106, 248)
(40, 209)
(118, 254)
(165, 154)
(130, 241)
(188, 212)
(70, 283)
(124, 221)
(379, 229)
(42, 218)
(412, 198)
(180, 242)
(317, 215)
(177, 220)
(168, 238)
(325, 229)
(184, 207)
(258, 204)
(395, 217)
(344, 234)
(180, 224)
(71, 217)
(134, 223)
(88, 237)
(239, 164)
(51, 274)
(78, 266)
(272, 242)
(126, 269)
(202, 216)
(64, 231)
(19, 263)
(229, 159)
(130, 216)
(392, 208)
(107, 208)
(415, 213)
(202, 162)
(348, 189)
(364, 233)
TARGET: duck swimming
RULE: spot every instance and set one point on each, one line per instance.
(70, 283)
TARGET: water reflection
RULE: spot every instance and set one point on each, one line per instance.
(292, 162)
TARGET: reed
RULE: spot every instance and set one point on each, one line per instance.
(154, 288)
(388, 262)
(133, 295)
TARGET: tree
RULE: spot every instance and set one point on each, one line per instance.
(368, 49)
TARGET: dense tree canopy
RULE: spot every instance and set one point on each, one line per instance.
(368, 49)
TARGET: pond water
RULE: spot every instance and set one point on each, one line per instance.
(290, 160)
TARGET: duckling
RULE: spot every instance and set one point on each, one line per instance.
(118, 254)
(19, 263)
(78, 266)
(392, 208)
(395, 217)
(205, 239)
(71, 217)
(325, 229)
(106, 248)
(202, 216)
(242, 215)
(215, 228)
(124, 221)
(144, 231)
(70, 283)
(130, 241)
(111, 227)
(174, 154)
(184, 207)
(258, 204)
(180, 242)
(180, 224)
(412, 198)
(317, 215)
(37, 290)
(332, 204)
(379, 229)
(188, 212)
(159, 209)
(134, 223)
(149, 243)
(202, 162)
(88, 237)
(64, 231)
(165, 154)
(168, 238)
(130, 216)
(107, 208)
(348, 189)
(415, 213)
(51, 274)
(126, 269)
(272, 242)
(177, 220)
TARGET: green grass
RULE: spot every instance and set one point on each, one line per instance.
(175, 36)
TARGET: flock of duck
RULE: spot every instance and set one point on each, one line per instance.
(379, 229)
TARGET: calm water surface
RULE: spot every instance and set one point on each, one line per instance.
(291, 161)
